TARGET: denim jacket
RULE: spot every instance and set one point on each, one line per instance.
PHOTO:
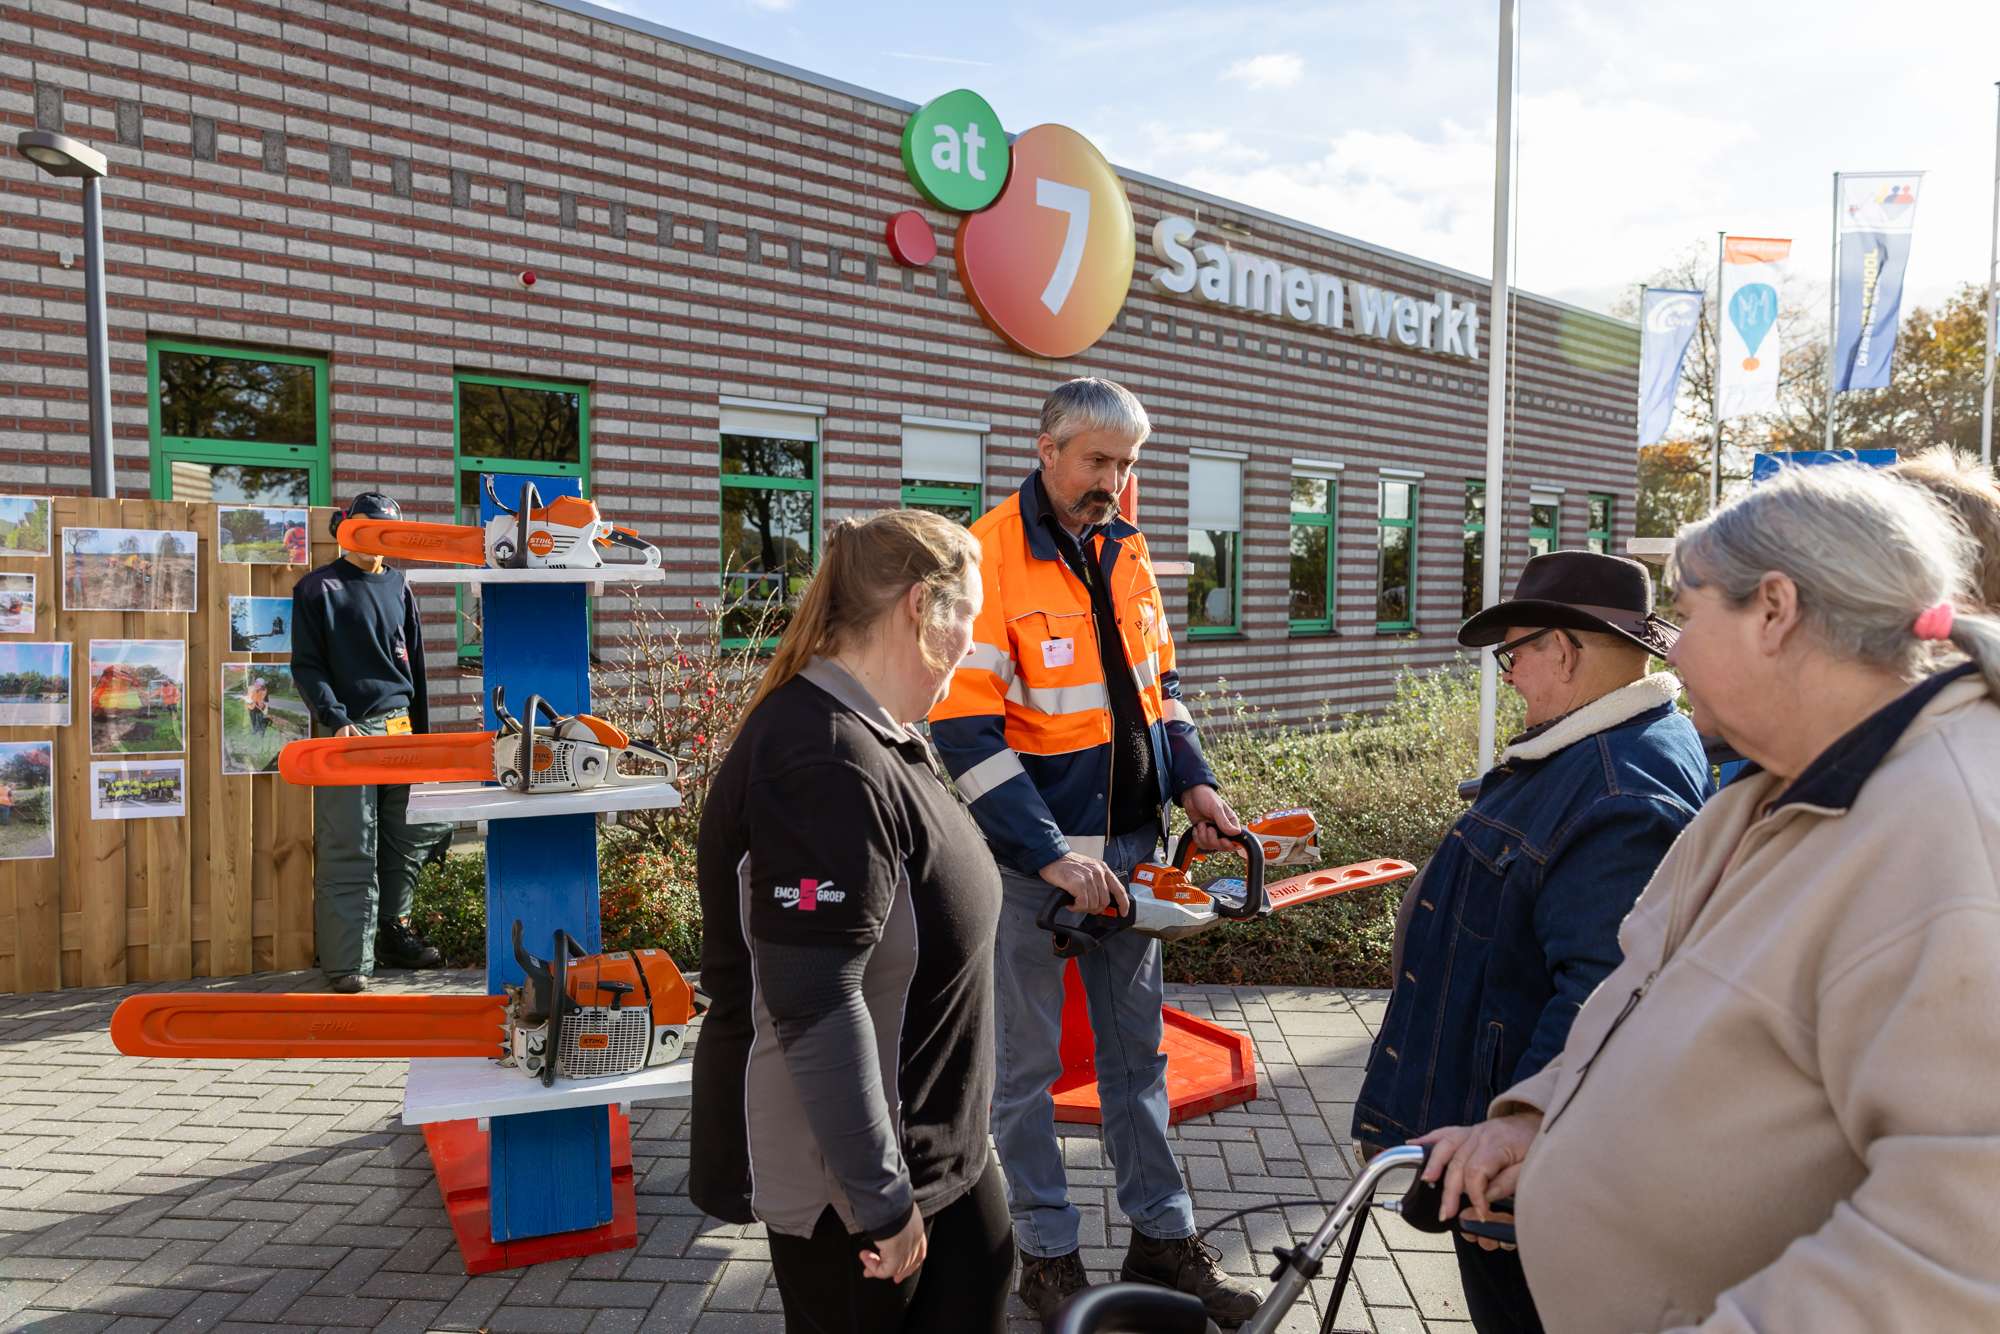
(1515, 917)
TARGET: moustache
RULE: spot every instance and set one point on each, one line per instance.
(1093, 500)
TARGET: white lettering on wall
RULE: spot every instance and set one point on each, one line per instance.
(1225, 277)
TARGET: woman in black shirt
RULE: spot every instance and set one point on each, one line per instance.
(849, 904)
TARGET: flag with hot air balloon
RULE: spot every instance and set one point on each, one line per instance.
(1747, 378)
(1878, 213)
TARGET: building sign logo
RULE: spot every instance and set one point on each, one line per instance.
(1046, 247)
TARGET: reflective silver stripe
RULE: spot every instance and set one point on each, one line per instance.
(1177, 712)
(1146, 671)
(1088, 845)
(1059, 699)
(986, 658)
(989, 773)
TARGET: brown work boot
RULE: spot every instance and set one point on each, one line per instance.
(348, 984)
(1047, 1281)
(1188, 1265)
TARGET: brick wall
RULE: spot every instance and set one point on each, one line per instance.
(366, 181)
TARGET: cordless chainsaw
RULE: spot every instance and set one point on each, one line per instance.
(564, 534)
(577, 1016)
(569, 754)
(1167, 905)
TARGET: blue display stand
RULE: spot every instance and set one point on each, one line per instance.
(548, 1172)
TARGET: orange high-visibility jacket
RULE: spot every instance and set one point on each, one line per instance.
(1026, 729)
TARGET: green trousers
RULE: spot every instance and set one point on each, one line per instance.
(366, 855)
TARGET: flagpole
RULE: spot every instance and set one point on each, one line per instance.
(1496, 377)
(1832, 319)
(1715, 388)
(1992, 299)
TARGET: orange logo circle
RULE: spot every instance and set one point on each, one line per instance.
(1049, 264)
(540, 542)
(544, 757)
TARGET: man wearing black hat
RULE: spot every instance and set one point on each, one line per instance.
(1514, 919)
(358, 657)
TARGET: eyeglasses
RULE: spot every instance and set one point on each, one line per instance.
(1504, 653)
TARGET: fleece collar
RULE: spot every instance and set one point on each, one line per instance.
(1600, 715)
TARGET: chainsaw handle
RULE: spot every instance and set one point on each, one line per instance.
(625, 537)
(524, 756)
(1255, 902)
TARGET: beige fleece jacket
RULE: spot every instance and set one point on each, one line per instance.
(1781, 1113)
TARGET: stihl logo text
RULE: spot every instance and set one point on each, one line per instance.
(808, 894)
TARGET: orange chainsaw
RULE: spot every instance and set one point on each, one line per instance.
(577, 1016)
(563, 534)
(570, 754)
(1167, 905)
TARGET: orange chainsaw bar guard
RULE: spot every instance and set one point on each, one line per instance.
(444, 543)
(234, 1026)
(427, 757)
(1297, 889)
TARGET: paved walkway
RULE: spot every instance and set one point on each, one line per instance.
(204, 1195)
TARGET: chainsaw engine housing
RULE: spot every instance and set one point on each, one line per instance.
(591, 1016)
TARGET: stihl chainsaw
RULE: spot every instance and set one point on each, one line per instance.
(563, 534)
(1167, 905)
(577, 1016)
(568, 754)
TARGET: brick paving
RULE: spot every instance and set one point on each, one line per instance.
(141, 1195)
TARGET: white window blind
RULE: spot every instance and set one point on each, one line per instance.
(769, 423)
(937, 454)
(1215, 494)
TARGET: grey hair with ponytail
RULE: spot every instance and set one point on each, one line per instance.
(1868, 552)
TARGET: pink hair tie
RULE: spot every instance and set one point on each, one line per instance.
(1934, 623)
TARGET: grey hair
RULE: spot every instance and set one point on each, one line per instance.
(1090, 404)
(1868, 553)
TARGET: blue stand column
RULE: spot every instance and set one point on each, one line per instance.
(548, 1171)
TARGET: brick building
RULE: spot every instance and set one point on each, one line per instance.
(317, 220)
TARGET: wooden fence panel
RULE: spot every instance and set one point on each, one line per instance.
(220, 890)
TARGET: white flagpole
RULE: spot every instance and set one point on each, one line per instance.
(1992, 301)
(1715, 387)
(1496, 377)
(1832, 319)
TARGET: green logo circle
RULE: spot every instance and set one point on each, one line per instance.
(956, 152)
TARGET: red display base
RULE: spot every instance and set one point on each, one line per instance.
(458, 1153)
(1209, 1067)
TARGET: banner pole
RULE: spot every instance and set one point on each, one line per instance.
(1992, 299)
(1496, 379)
(1715, 388)
(1832, 318)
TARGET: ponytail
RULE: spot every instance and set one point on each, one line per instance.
(1978, 638)
(869, 565)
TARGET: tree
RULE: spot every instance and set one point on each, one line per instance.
(1673, 487)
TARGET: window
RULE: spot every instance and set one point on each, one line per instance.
(1215, 545)
(942, 469)
(1544, 525)
(236, 425)
(770, 516)
(533, 428)
(1315, 551)
(1475, 549)
(1598, 537)
(1395, 558)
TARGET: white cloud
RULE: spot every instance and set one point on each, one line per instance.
(773, 6)
(1276, 70)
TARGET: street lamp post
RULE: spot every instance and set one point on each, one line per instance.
(59, 155)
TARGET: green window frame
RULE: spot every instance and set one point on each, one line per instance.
(1544, 527)
(1315, 507)
(1215, 544)
(469, 470)
(167, 450)
(1395, 531)
(1599, 516)
(1473, 598)
(773, 485)
(959, 502)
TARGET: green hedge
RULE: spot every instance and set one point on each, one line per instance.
(1382, 785)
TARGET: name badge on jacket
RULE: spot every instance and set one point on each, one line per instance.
(1058, 652)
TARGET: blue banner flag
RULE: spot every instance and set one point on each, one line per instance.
(1878, 213)
(1668, 318)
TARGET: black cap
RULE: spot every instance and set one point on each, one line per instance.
(1577, 590)
(367, 505)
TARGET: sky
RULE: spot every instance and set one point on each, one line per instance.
(1643, 128)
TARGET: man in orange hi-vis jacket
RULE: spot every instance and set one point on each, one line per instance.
(1066, 734)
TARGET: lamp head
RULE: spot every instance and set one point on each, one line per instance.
(60, 155)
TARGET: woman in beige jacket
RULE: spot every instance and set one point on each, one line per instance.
(1782, 1112)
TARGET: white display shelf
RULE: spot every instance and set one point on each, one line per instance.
(465, 802)
(481, 574)
(464, 1088)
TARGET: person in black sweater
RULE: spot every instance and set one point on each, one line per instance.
(357, 655)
